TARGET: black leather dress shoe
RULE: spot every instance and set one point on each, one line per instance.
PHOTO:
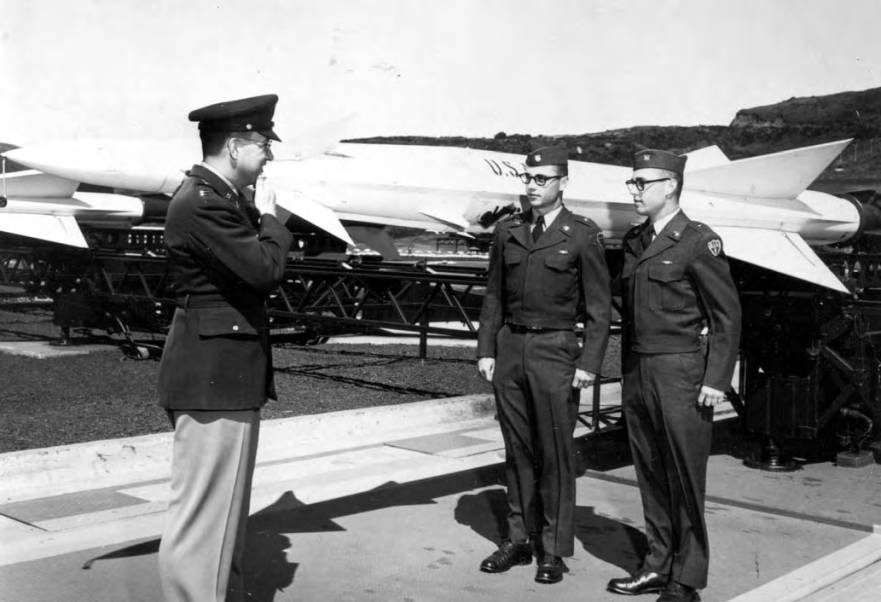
(641, 584)
(509, 554)
(550, 569)
(677, 592)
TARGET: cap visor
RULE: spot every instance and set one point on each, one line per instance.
(270, 134)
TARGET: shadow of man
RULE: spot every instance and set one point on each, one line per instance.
(486, 514)
(610, 540)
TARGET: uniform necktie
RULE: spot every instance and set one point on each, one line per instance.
(646, 237)
(539, 228)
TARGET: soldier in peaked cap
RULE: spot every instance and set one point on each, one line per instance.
(681, 334)
(226, 253)
(547, 272)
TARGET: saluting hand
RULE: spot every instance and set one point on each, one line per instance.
(710, 396)
(486, 366)
(582, 379)
(264, 197)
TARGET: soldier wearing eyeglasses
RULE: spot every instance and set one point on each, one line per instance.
(547, 273)
(681, 331)
(226, 253)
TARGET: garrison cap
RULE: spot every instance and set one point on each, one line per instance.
(548, 155)
(659, 159)
(252, 114)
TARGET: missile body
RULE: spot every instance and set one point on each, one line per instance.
(759, 206)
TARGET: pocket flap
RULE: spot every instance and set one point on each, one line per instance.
(219, 321)
(559, 262)
(513, 256)
(666, 272)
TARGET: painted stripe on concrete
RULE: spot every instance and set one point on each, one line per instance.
(821, 573)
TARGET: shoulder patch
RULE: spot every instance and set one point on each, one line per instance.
(600, 240)
(715, 246)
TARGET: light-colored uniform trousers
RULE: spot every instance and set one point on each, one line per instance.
(202, 546)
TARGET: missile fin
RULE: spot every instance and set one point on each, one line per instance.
(375, 237)
(313, 212)
(777, 175)
(709, 156)
(61, 229)
(779, 251)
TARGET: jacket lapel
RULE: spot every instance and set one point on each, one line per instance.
(521, 233)
(557, 232)
(669, 236)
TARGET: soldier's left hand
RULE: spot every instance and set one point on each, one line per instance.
(582, 379)
(710, 396)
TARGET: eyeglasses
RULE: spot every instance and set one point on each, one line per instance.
(265, 145)
(540, 179)
(639, 185)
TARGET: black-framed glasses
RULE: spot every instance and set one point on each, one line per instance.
(540, 179)
(635, 185)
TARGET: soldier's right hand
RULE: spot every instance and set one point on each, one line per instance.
(264, 197)
(486, 366)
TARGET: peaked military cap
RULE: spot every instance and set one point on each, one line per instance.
(659, 159)
(252, 114)
(548, 155)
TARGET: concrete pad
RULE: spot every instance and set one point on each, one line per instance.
(423, 542)
(804, 582)
(45, 349)
(862, 586)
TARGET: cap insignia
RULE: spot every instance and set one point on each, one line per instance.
(538, 158)
(249, 127)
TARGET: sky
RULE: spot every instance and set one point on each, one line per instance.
(135, 68)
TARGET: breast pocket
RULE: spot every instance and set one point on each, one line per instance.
(669, 288)
(560, 262)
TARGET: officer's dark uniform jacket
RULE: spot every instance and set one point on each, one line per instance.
(677, 287)
(223, 261)
(550, 284)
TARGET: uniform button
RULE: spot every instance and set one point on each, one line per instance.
(235, 326)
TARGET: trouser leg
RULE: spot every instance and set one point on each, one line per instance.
(212, 466)
(644, 429)
(688, 431)
(515, 420)
(550, 368)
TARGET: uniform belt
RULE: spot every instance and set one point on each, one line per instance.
(520, 328)
(202, 300)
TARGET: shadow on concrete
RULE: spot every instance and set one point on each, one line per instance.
(606, 539)
(267, 567)
(609, 540)
(486, 513)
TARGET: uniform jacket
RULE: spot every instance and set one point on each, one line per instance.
(674, 289)
(553, 283)
(223, 261)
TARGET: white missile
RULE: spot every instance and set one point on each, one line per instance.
(759, 206)
(47, 207)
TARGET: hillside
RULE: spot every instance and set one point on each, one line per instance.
(754, 131)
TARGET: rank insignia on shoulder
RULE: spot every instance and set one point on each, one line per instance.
(715, 247)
